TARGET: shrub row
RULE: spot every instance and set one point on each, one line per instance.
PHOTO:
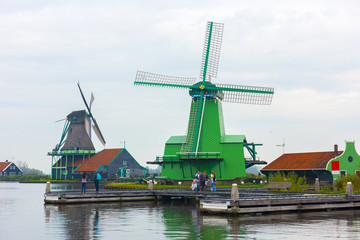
(18, 178)
(296, 181)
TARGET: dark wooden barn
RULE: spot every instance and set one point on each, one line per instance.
(111, 163)
(9, 169)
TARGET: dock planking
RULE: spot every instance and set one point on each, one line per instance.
(251, 200)
(278, 203)
(72, 197)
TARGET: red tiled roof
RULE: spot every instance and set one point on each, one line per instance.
(4, 165)
(302, 161)
(104, 157)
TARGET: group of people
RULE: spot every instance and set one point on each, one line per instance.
(202, 181)
(84, 182)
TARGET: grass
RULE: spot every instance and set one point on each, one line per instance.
(145, 186)
(45, 181)
(141, 186)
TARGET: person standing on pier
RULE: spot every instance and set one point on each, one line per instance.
(207, 182)
(213, 181)
(83, 182)
(202, 182)
(96, 181)
(197, 179)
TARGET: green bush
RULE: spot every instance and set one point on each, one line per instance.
(342, 182)
(27, 177)
(277, 177)
(296, 181)
(252, 175)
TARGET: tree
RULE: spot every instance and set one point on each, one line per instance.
(26, 170)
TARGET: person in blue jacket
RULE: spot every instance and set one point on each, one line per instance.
(96, 181)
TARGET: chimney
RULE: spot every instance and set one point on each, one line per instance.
(336, 151)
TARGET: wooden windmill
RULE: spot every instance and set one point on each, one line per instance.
(205, 145)
(75, 142)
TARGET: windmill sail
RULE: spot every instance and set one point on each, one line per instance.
(152, 79)
(246, 94)
(95, 126)
(98, 134)
(92, 99)
(211, 51)
(82, 95)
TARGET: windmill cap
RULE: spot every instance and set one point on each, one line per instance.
(198, 87)
(78, 115)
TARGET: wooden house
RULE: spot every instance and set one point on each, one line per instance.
(326, 166)
(9, 169)
(111, 163)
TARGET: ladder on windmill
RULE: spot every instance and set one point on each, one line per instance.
(187, 146)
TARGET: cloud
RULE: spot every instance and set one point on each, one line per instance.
(308, 51)
(314, 104)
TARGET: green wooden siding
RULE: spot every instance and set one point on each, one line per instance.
(349, 161)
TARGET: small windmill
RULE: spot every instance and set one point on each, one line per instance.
(77, 129)
(203, 146)
(282, 145)
(75, 142)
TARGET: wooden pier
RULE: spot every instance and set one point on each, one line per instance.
(70, 197)
(245, 201)
(260, 202)
(280, 203)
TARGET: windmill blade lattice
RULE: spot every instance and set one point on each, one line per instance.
(98, 133)
(211, 51)
(246, 94)
(152, 79)
(96, 126)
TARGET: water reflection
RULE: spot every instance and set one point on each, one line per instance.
(187, 223)
(74, 186)
(183, 221)
(76, 221)
(92, 221)
(24, 215)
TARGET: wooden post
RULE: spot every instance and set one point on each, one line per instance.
(150, 185)
(48, 187)
(349, 189)
(317, 185)
(334, 186)
(234, 193)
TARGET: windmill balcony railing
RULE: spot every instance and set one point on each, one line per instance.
(189, 156)
(199, 155)
(168, 158)
(72, 152)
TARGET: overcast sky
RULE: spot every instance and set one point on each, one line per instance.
(309, 51)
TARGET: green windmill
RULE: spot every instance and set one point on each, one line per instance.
(206, 147)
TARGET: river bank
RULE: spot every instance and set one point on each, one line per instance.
(22, 205)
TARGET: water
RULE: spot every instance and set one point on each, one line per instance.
(23, 215)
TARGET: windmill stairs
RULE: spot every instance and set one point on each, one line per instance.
(190, 137)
